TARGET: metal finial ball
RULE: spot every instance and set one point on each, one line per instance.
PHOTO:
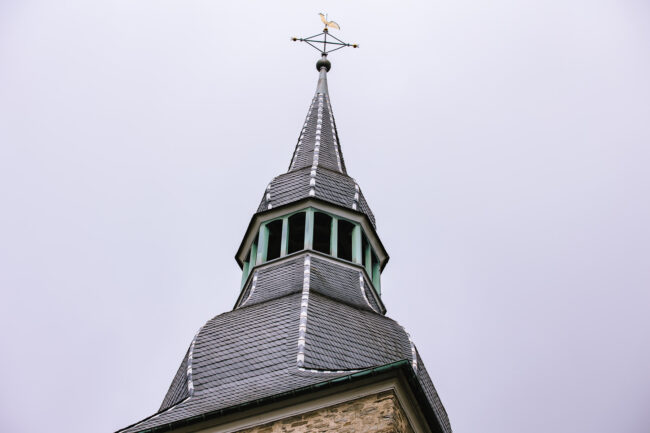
(323, 63)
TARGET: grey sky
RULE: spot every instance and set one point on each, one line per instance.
(503, 146)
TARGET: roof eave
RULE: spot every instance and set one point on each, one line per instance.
(392, 369)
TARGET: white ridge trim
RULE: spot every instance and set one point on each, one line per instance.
(355, 199)
(314, 165)
(302, 328)
(268, 196)
(190, 358)
(302, 134)
(312, 370)
(304, 304)
(253, 285)
(334, 139)
(188, 376)
(414, 362)
(362, 286)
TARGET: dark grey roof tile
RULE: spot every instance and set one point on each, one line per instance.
(251, 353)
(341, 337)
(178, 390)
(338, 281)
(432, 395)
(332, 182)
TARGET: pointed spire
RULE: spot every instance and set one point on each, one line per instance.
(317, 169)
(322, 82)
(318, 144)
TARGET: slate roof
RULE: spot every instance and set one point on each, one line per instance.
(300, 320)
(332, 278)
(317, 168)
(253, 351)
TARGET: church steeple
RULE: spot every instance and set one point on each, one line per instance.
(308, 338)
(315, 205)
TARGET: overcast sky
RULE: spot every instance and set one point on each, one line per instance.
(503, 146)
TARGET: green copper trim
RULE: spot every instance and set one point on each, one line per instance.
(356, 244)
(321, 205)
(368, 258)
(376, 278)
(244, 275)
(249, 264)
(263, 243)
(360, 253)
(334, 237)
(253, 260)
(309, 228)
(284, 245)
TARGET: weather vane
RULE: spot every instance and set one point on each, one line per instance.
(334, 41)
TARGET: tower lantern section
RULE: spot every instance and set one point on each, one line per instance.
(316, 227)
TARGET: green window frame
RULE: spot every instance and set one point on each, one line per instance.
(281, 236)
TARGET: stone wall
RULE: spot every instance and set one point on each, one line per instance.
(380, 413)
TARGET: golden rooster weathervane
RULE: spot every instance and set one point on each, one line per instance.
(332, 24)
(334, 41)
